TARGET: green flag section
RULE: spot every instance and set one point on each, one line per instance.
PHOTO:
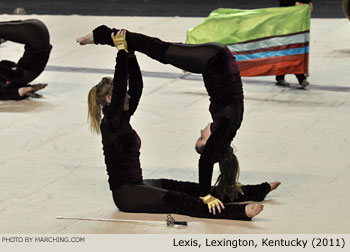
(270, 41)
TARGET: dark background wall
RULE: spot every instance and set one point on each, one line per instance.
(183, 8)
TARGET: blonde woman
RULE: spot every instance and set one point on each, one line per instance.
(111, 106)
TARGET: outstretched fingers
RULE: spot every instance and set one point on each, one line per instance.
(213, 204)
(119, 40)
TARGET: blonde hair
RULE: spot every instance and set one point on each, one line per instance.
(96, 100)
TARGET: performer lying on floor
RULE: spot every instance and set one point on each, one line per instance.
(14, 77)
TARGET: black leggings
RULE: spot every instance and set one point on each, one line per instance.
(144, 197)
(192, 58)
(300, 77)
(31, 32)
(35, 36)
(171, 196)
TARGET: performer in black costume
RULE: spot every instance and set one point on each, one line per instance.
(121, 146)
(301, 77)
(346, 8)
(14, 77)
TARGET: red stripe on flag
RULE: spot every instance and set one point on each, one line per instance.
(292, 64)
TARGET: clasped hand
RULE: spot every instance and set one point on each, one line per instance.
(119, 40)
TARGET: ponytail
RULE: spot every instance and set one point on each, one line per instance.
(227, 185)
(94, 111)
(96, 100)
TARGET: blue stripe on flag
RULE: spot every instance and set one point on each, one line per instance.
(287, 52)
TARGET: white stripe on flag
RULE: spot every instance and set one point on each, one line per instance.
(270, 42)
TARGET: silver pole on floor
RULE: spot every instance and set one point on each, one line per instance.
(170, 221)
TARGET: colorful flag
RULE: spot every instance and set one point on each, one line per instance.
(270, 41)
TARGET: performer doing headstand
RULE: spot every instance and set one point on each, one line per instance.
(121, 146)
(14, 77)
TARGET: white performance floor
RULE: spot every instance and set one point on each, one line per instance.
(51, 165)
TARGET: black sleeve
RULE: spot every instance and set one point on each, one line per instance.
(212, 152)
(135, 84)
(9, 92)
(102, 35)
(114, 110)
(6, 72)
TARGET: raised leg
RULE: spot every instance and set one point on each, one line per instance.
(192, 58)
(31, 32)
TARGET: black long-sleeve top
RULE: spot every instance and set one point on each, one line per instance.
(121, 144)
(34, 60)
(224, 85)
(8, 92)
(7, 75)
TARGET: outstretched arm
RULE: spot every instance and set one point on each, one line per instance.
(212, 152)
(10, 92)
(114, 110)
(9, 72)
(135, 83)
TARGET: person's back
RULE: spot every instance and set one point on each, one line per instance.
(122, 155)
(223, 81)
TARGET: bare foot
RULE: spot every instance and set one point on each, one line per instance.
(24, 90)
(274, 185)
(88, 39)
(253, 210)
